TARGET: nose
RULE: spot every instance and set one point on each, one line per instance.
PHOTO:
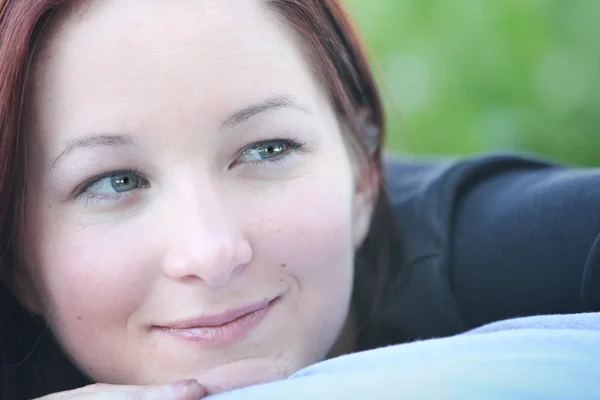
(204, 241)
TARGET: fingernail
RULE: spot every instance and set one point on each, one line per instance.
(180, 387)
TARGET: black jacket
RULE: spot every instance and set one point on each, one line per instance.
(488, 239)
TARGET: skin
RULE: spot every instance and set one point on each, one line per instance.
(210, 227)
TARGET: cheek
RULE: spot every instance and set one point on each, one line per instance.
(308, 238)
(308, 225)
(88, 285)
(315, 239)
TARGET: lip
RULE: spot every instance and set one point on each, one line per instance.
(219, 329)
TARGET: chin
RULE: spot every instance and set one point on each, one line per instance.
(237, 383)
(242, 374)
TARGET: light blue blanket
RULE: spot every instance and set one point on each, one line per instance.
(545, 357)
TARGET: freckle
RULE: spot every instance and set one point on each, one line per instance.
(281, 280)
(283, 265)
(79, 317)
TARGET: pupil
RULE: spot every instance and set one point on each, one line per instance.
(123, 183)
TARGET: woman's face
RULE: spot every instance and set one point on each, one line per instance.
(186, 168)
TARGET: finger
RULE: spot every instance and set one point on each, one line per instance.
(182, 390)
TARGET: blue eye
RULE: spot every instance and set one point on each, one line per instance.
(116, 183)
(269, 150)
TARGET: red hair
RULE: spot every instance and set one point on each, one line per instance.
(327, 33)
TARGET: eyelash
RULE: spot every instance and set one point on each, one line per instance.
(81, 192)
(292, 146)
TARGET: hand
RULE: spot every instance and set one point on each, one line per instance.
(183, 390)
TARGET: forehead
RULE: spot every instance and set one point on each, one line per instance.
(146, 26)
(223, 52)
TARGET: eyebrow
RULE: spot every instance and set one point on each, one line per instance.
(271, 104)
(235, 119)
(92, 141)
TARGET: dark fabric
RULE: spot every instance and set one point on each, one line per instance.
(489, 239)
(32, 364)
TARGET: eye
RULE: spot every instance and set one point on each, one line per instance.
(269, 150)
(117, 183)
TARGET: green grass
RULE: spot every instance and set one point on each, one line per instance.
(469, 76)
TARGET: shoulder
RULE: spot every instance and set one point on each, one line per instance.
(425, 193)
(418, 181)
(473, 230)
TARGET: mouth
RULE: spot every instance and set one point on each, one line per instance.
(219, 330)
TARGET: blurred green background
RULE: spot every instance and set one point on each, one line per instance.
(472, 76)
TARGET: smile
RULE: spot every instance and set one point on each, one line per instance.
(221, 329)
